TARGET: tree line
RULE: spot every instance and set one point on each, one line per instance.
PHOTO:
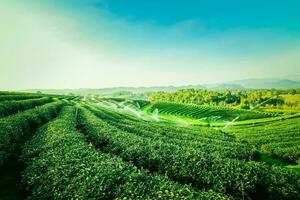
(238, 98)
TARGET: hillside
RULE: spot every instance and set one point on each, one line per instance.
(233, 85)
(267, 83)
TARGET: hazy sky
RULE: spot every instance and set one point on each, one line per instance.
(106, 43)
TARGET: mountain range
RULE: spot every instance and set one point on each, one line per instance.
(232, 85)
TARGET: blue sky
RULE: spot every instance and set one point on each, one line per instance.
(107, 43)
(218, 15)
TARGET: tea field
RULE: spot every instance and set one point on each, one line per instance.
(73, 147)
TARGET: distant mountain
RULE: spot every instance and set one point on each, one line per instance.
(109, 91)
(146, 89)
(266, 83)
(223, 86)
(233, 85)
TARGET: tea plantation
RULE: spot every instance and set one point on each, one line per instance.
(69, 147)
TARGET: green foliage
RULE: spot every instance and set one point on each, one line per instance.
(12, 107)
(199, 112)
(204, 139)
(226, 98)
(18, 97)
(204, 170)
(141, 103)
(97, 153)
(245, 106)
(61, 165)
(280, 138)
(14, 129)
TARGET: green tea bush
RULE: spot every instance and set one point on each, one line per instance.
(16, 128)
(280, 138)
(198, 112)
(62, 165)
(204, 139)
(12, 107)
(202, 169)
(19, 97)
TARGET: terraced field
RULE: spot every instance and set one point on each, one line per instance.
(202, 166)
(200, 112)
(68, 147)
(15, 106)
(279, 138)
(20, 115)
(274, 135)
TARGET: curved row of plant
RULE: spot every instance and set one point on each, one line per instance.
(230, 150)
(202, 134)
(62, 165)
(280, 139)
(182, 133)
(198, 112)
(223, 146)
(16, 93)
(12, 107)
(287, 152)
(165, 129)
(19, 97)
(187, 165)
(263, 121)
(15, 129)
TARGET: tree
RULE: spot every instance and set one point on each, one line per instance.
(293, 92)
